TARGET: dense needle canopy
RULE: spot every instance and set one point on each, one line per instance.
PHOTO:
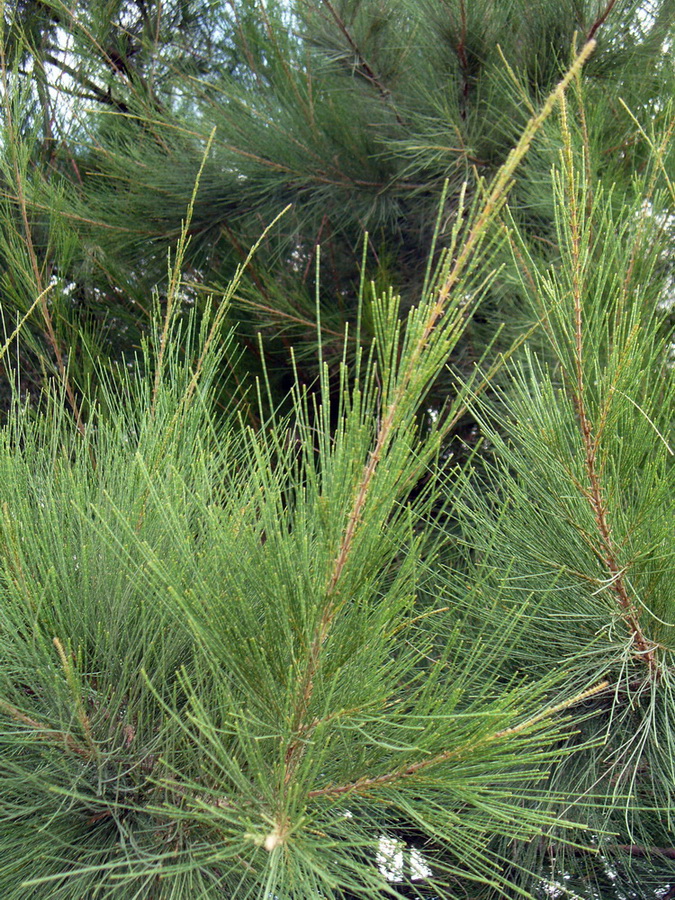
(290, 636)
(356, 113)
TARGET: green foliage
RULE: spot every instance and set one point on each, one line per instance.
(217, 678)
(355, 112)
(309, 646)
(574, 516)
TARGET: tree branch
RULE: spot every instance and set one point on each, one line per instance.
(364, 67)
(368, 783)
(463, 59)
(47, 733)
(96, 92)
(645, 852)
(645, 649)
(37, 272)
(600, 21)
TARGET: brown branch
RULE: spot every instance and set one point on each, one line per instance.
(495, 198)
(111, 59)
(281, 314)
(645, 648)
(49, 734)
(97, 93)
(639, 851)
(463, 59)
(600, 21)
(244, 43)
(32, 255)
(461, 47)
(368, 783)
(364, 67)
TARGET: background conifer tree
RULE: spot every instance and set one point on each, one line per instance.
(355, 112)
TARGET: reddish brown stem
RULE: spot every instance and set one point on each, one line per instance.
(600, 21)
(28, 235)
(463, 59)
(366, 784)
(639, 851)
(496, 197)
(645, 648)
(47, 733)
(461, 47)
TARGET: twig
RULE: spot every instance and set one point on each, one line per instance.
(639, 851)
(30, 247)
(97, 93)
(38, 300)
(645, 648)
(176, 274)
(463, 59)
(368, 783)
(82, 716)
(49, 734)
(366, 70)
(282, 314)
(588, 169)
(600, 21)
(494, 201)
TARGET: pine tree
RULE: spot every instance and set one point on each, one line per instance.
(298, 650)
(354, 112)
